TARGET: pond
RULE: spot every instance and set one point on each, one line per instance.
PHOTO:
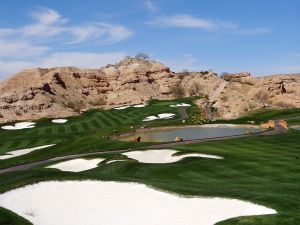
(189, 133)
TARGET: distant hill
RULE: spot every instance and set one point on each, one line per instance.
(66, 91)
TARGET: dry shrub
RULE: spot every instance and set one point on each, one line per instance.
(195, 89)
(98, 101)
(263, 97)
(283, 104)
(177, 91)
(77, 106)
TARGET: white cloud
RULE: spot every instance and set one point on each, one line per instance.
(11, 67)
(49, 23)
(78, 59)
(185, 62)
(81, 59)
(188, 21)
(12, 49)
(33, 45)
(151, 7)
(254, 31)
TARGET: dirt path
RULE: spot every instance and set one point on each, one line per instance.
(278, 129)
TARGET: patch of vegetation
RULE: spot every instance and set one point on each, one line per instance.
(195, 89)
(260, 169)
(177, 91)
(98, 101)
(224, 98)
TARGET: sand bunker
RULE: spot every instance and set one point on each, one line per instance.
(116, 160)
(98, 202)
(19, 126)
(77, 165)
(128, 106)
(181, 105)
(123, 107)
(20, 152)
(139, 106)
(59, 121)
(159, 116)
(163, 156)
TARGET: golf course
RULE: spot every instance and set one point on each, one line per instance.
(261, 168)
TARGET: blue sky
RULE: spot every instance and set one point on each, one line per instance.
(260, 36)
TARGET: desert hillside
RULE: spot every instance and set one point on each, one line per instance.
(66, 91)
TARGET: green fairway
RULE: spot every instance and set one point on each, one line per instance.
(261, 169)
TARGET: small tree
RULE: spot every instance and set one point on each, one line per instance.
(263, 97)
(142, 55)
(177, 91)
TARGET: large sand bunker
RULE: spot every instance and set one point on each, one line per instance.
(98, 202)
(19, 126)
(77, 165)
(163, 156)
(20, 152)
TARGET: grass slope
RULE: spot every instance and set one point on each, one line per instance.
(261, 169)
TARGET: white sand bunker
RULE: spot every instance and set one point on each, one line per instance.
(159, 116)
(139, 106)
(128, 106)
(117, 160)
(77, 165)
(163, 156)
(20, 152)
(181, 105)
(59, 121)
(19, 126)
(123, 107)
(98, 202)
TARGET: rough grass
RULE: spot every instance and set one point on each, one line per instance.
(260, 169)
(292, 116)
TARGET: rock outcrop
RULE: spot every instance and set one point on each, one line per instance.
(66, 91)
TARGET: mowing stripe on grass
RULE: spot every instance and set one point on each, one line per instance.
(104, 120)
(94, 123)
(115, 118)
(109, 119)
(85, 126)
(74, 129)
(48, 130)
(61, 130)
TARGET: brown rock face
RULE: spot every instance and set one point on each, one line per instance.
(65, 91)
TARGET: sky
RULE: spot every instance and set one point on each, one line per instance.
(259, 36)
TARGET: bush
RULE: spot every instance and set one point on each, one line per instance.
(195, 89)
(182, 74)
(263, 97)
(18, 112)
(224, 98)
(177, 91)
(77, 106)
(142, 55)
(98, 101)
(283, 104)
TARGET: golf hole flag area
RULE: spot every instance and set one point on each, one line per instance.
(113, 203)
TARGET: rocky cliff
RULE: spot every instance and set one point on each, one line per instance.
(66, 91)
